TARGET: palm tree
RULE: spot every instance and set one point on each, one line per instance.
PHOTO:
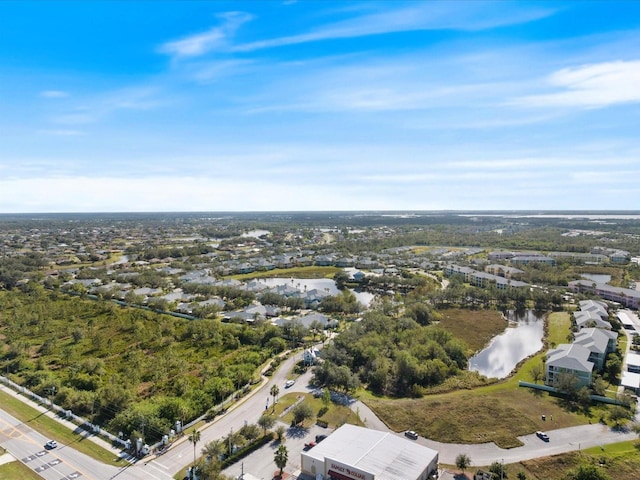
(281, 457)
(274, 393)
(194, 438)
(214, 449)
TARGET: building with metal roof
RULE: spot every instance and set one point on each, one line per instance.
(358, 453)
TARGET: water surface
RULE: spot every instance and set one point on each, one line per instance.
(523, 337)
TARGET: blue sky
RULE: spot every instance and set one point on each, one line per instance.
(319, 105)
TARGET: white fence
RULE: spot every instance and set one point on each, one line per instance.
(67, 414)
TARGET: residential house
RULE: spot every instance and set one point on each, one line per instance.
(624, 296)
(589, 318)
(526, 259)
(503, 270)
(571, 359)
(599, 342)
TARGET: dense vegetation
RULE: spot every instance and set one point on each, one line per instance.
(128, 369)
(392, 356)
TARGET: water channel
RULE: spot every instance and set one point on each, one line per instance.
(523, 337)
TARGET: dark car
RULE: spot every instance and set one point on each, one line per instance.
(542, 436)
(411, 434)
(319, 438)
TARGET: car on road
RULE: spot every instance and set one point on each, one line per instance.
(319, 438)
(542, 436)
(51, 444)
(411, 434)
(289, 383)
(309, 445)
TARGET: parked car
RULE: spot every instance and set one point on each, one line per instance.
(309, 445)
(289, 383)
(51, 444)
(411, 434)
(319, 438)
(542, 436)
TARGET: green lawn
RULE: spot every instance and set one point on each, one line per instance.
(17, 469)
(335, 415)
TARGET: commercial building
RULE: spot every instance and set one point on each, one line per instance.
(357, 453)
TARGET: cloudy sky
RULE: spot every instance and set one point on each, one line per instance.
(319, 105)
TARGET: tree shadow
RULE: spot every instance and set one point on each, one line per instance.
(297, 432)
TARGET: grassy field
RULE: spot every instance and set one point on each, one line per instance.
(53, 429)
(620, 462)
(474, 327)
(498, 413)
(335, 415)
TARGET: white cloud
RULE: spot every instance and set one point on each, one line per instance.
(201, 43)
(54, 94)
(419, 16)
(593, 86)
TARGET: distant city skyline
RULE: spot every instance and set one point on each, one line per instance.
(319, 105)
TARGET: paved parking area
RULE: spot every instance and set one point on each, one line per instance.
(260, 463)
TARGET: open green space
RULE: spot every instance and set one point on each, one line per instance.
(333, 414)
(474, 327)
(55, 430)
(620, 461)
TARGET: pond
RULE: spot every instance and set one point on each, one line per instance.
(523, 337)
(255, 233)
(326, 284)
(597, 277)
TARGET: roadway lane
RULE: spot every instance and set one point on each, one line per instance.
(64, 462)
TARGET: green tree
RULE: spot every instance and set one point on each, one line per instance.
(567, 383)
(497, 469)
(463, 461)
(521, 475)
(266, 422)
(619, 415)
(613, 366)
(280, 433)
(341, 278)
(587, 472)
(214, 450)
(326, 397)
(281, 457)
(194, 438)
(537, 372)
(302, 412)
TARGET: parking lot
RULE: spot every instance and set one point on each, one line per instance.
(260, 463)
